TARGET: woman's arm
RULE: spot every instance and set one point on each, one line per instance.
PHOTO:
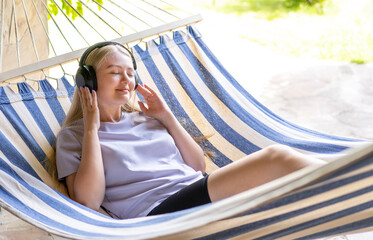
(87, 185)
(191, 152)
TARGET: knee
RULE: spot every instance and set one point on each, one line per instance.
(278, 151)
(285, 156)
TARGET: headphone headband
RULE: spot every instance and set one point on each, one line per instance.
(86, 53)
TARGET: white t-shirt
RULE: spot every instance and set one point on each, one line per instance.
(142, 164)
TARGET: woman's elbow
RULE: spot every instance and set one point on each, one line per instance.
(90, 202)
(93, 206)
(201, 166)
(87, 194)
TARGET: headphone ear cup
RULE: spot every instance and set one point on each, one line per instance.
(86, 77)
(80, 76)
(136, 80)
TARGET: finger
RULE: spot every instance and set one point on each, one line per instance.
(81, 97)
(143, 91)
(140, 89)
(152, 94)
(142, 107)
(150, 89)
(83, 105)
(86, 99)
(94, 98)
(80, 92)
(87, 95)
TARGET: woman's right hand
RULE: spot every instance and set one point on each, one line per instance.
(87, 185)
(91, 113)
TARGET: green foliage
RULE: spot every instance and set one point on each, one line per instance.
(358, 61)
(296, 4)
(271, 9)
(72, 8)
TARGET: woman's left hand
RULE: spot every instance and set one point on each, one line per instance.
(190, 151)
(155, 108)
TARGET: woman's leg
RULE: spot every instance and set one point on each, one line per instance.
(256, 169)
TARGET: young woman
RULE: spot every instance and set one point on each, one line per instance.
(138, 163)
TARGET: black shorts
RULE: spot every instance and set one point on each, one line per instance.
(193, 195)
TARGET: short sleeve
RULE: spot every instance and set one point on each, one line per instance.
(68, 153)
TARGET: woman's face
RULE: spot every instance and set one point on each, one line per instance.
(115, 79)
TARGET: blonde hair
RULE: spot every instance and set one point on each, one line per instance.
(94, 59)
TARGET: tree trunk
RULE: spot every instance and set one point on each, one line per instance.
(31, 47)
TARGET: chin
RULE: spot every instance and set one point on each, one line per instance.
(123, 100)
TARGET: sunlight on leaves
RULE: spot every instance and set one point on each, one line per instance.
(72, 8)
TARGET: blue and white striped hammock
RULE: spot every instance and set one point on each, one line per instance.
(314, 202)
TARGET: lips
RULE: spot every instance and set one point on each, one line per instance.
(123, 90)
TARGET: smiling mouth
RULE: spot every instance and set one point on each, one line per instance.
(122, 90)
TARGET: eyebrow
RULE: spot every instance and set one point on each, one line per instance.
(119, 66)
(114, 65)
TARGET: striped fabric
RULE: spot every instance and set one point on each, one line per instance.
(311, 203)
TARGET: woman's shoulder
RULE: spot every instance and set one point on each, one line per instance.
(75, 129)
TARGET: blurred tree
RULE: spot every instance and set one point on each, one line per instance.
(271, 8)
(69, 6)
(295, 4)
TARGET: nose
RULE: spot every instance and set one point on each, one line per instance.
(125, 78)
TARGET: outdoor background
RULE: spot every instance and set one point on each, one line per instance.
(310, 64)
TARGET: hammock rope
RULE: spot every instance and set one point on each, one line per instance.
(112, 20)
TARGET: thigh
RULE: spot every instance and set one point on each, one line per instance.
(253, 170)
(193, 195)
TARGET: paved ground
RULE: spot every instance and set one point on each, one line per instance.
(329, 96)
(332, 97)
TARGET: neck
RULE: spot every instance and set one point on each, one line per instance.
(110, 114)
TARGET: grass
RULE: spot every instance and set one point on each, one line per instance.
(335, 29)
(270, 9)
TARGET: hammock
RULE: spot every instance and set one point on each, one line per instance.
(311, 203)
